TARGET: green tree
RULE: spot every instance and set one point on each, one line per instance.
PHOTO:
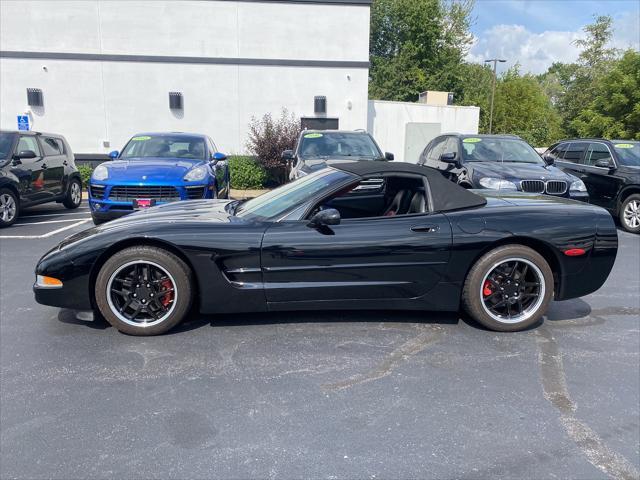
(523, 108)
(417, 45)
(614, 111)
(572, 86)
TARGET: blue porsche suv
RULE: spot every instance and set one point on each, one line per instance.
(157, 168)
(499, 162)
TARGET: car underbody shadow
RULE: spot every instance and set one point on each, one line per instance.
(197, 320)
(86, 318)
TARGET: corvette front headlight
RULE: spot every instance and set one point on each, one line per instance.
(578, 186)
(100, 173)
(196, 173)
(497, 184)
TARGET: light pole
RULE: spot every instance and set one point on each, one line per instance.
(493, 88)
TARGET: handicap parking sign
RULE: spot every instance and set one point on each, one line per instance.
(23, 122)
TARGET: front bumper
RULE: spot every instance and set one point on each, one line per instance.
(581, 196)
(105, 205)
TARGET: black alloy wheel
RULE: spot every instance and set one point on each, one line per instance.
(144, 290)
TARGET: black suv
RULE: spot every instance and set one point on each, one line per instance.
(611, 171)
(36, 168)
(498, 162)
(318, 148)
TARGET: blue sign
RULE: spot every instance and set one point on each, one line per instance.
(23, 122)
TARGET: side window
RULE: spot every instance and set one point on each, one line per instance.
(558, 152)
(28, 143)
(597, 151)
(51, 146)
(451, 146)
(574, 152)
(438, 146)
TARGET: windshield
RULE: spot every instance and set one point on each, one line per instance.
(6, 140)
(338, 144)
(476, 149)
(628, 152)
(164, 146)
(272, 205)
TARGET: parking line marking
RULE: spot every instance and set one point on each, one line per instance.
(46, 221)
(46, 235)
(53, 215)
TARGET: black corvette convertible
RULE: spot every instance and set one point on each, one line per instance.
(367, 235)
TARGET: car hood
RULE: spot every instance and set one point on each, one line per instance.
(517, 171)
(152, 169)
(188, 211)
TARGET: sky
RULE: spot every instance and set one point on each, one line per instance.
(536, 33)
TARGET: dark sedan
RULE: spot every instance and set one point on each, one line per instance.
(416, 241)
(499, 162)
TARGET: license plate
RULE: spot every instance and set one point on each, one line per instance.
(142, 203)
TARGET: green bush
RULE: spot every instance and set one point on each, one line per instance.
(246, 173)
(85, 173)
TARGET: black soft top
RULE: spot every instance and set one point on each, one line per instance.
(446, 195)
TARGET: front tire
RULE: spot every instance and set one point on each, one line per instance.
(9, 207)
(509, 288)
(630, 213)
(144, 290)
(73, 198)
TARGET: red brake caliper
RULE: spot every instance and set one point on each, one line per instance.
(486, 288)
(167, 298)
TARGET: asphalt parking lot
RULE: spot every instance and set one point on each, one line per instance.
(315, 395)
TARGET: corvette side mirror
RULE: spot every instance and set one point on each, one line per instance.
(114, 154)
(325, 218)
(388, 156)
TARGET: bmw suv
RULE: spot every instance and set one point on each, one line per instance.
(36, 168)
(499, 162)
(611, 171)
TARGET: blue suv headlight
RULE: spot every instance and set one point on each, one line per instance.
(197, 173)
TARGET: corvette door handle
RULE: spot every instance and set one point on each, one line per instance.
(425, 228)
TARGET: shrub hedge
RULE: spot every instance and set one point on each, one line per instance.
(246, 173)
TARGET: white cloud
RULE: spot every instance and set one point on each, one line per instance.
(537, 51)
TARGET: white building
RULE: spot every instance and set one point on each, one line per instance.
(105, 70)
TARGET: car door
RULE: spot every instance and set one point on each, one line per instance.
(360, 259)
(602, 183)
(29, 170)
(53, 163)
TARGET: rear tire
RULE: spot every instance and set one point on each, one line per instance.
(629, 214)
(73, 198)
(9, 207)
(509, 288)
(144, 290)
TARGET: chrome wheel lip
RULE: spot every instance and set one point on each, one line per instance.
(529, 311)
(76, 193)
(631, 214)
(7, 207)
(144, 324)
